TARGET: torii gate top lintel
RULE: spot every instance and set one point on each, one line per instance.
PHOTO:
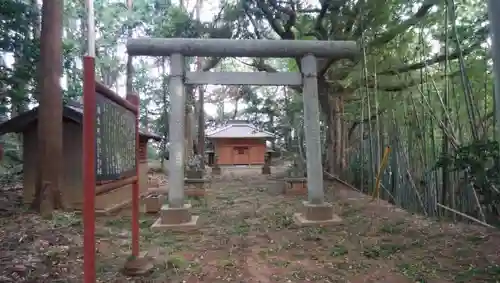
(222, 47)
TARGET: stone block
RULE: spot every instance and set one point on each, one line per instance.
(138, 266)
(174, 215)
(194, 174)
(316, 215)
(153, 203)
(216, 170)
(153, 183)
(176, 219)
(295, 186)
(196, 187)
(266, 170)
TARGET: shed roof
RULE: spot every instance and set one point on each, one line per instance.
(72, 111)
(239, 129)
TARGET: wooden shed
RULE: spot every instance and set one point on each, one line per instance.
(71, 188)
(239, 143)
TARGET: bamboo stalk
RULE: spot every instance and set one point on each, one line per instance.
(465, 215)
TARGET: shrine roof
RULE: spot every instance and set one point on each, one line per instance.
(72, 111)
(239, 129)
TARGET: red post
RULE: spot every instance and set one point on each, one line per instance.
(134, 99)
(89, 175)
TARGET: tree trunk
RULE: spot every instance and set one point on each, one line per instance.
(337, 134)
(201, 99)
(188, 133)
(344, 128)
(50, 126)
(332, 106)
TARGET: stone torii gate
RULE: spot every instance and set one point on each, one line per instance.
(176, 214)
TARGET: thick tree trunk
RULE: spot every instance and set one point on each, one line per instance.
(50, 126)
(332, 106)
(337, 132)
(188, 134)
(343, 133)
(201, 99)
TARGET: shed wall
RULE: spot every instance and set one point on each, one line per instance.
(72, 163)
(72, 190)
(236, 151)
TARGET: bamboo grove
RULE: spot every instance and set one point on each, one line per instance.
(443, 159)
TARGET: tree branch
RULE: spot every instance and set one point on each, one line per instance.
(356, 15)
(292, 17)
(210, 63)
(436, 59)
(261, 66)
(404, 26)
(398, 87)
(359, 122)
(275, 25)
(254, 24)
(318, 26)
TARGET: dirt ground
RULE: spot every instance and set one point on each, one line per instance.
(247, 235)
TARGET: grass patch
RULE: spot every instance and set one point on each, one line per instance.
(393, 228)
(280, 263)
(338, 250)
(226, 263)
(486, 274)
(351, 211)
(65, 219)
(382, 250)
(417, 272)
(282, 221)
(176, 262)
(241, 228)
(476, 239)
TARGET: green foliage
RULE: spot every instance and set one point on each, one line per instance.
(477, 158)
(16, 38)
(480, 160)
(15, 25)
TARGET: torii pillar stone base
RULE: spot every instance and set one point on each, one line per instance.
(176, 219)
(316, 215)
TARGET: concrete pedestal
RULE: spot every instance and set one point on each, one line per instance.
(176, 219)
(295, 186)
(138, 266)
(316, 215)
(216, 170)
(153, 203)
(266, 170)
(194, 174)
(153, 183)
(195, 187)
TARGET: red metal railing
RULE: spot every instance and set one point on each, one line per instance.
(90, 87)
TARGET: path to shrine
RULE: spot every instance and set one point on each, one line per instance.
(247, 235)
